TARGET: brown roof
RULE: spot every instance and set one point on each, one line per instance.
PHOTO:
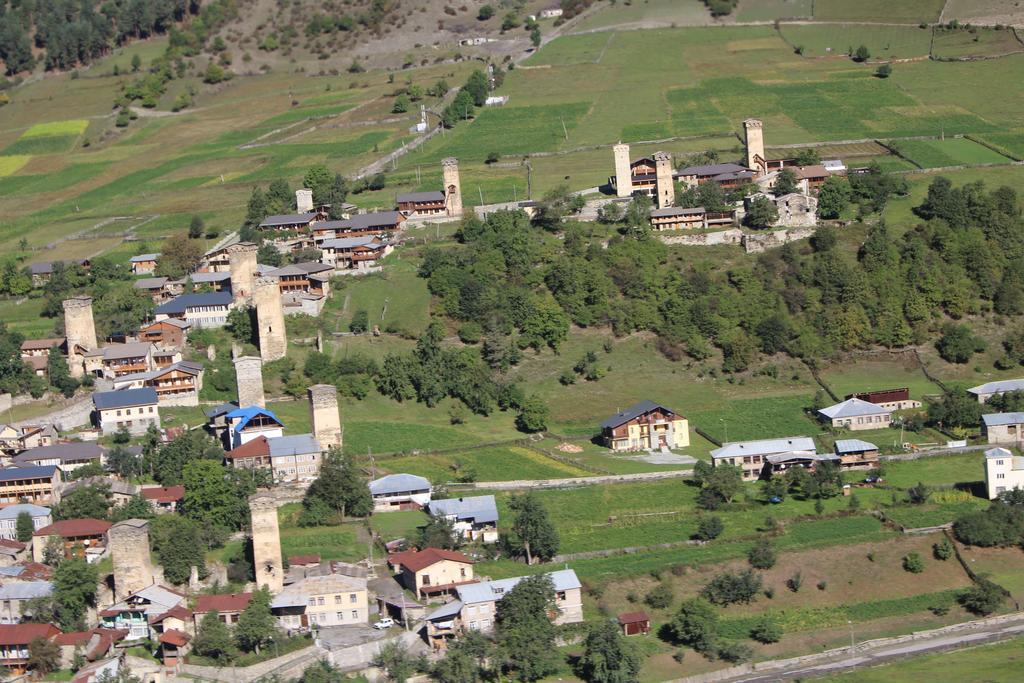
(37, 362)
(415, 561)
(174, 637)
(633, 618)
(39, 344)
(69, 528)
(815, 171)
(301, 560)
(8, 543)
(164, 494)
(23, 634)
(35, 571)
(73, 638)
(230, 602)
(256, 447)
(178, 612)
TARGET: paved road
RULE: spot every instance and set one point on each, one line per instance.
(581, 481)
(887, 650)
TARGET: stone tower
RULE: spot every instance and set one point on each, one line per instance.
(452, 186)
(129, 549)
(623, 175)
(755, 145)
(304, 200)
(324, 415)
(242, 262)
(266, 543)
(270, 318)
(249, 376)
(664, 184)
(80, 331)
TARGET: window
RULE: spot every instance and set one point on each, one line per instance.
(355, 614)
(560, 596)
(1000, 476)
(462, 572)
(320, 600)
(340, 616)
(999, 462)
(353, 598)
(312, 602)
(337, 599)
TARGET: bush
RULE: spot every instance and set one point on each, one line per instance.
(795, 582)
(734, 652)
(822, 585)
(766, 630)
(659, 597)
(943, 550)
(732, 587)
(709, 528)
(983, 599)
(913, 563)
(471, 333)
(762, 555)
(999, 525)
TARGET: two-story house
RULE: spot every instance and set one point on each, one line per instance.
(316, 601)
(474, 518)
(133, 409)
(135, 613)
(646, 426)
(399, 492)
(433, 571)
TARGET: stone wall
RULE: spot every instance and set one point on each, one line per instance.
(285, 667)
(756, 243)
(704, 239)
(6, 401)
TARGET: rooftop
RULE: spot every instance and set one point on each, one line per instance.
(144, 257)
(764, 447)
(417, 560)
(435, 196)
(487, 591)
(150, 283)
(288, 219)
(670, 211)
(398, 483)
(164, 494)
(249, 413)
(229, 602)
(710, 169)
(998, 419)
(633, 412)
(130, 350)
(998, 386)
(350, 242)
(853, 407)
(854, 446)
(20, 473)
(12, 511)
(124, 398)
(70, 528)
(180, 304)
(475, 508)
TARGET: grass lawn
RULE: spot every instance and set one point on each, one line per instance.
(340, 542)
(1005, 566)
(944, 470)
(26, 317)
(758, 418)
(999, 663)
(839, 39)
(398, 524)
(1009, 143)
(770, 10)
(397, 300)
(10, 164)
(501, 463)
(948, 152)
(974, 42)
(621, 14)
(878, 10)
(875, 375)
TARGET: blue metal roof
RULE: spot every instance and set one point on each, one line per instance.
(248, 413)
(180, 303)
(37, 472)
(479, 509)
(398, 483)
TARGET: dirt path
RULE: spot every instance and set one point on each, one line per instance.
(582, 481)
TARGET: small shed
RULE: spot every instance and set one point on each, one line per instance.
(634, 623)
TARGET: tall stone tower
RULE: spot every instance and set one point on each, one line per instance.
(452, 186)
(663, 183)
(623, 176)
(80, 331)
(249, 376)
(324, 415)
(270, 318)
(129, 549)
(755, 145)
(242, 262)
(303, 200)
(266, 543)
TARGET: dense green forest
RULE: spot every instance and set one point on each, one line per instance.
(75, 32)
(809, 300)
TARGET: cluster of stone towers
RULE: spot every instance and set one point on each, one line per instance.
(264, 293)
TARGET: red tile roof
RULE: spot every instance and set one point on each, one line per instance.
(8, 543)
(176, 612)
(23, 634)
(302, 560)
(232, 602)
(415, 561)
(633, 618)
(73, 638)
(256, 447)
(174, 637)
(164, 494)
(69, 528)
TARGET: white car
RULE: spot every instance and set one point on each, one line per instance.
(386, 622)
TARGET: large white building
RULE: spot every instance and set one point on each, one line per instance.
(855, 414)
(751, 456)
(985, 391)
(1003, 471)
(399, 492)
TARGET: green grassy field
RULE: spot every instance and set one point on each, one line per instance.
(398, 524)
(999, 663)
(1010, 143)
(502, 463)
(878, 11)
(974, 42)
(770, 10)
(758, 418)
(840, 39)
(620, 15)
(948, 152)
(395, 300)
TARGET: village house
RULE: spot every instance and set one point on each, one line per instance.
(40, 515)
(14, 642)
(13, 552)
(796, 210)
(198, 310)
(177, 384)
(26, 571)
(160, 289)
(143, 264)
(432, 572)
(294, 221)
(1004, 471)
(134, 613)
(119, 359)
(430, 203)
(133, 409)
(94, 645)
(399, 492)
(750, 456)
(317, 601)
(39, 485)
(120, 492)
(778, 463)
(216, 259)
(164, 498)
(14, 440)
(855, 414)
(310, 277)
(696, 218)
(892, 399)
(68, 455)
(983, 392)
(36, 352)
(364, 224)
(228, 606)
(170, 333)
(164, 358)
(477, 602)
(474, 518)
(216, 281)
(354, 253)
(252, 422)
(856, 453)
(728, 175)
(646, 426)
(84, 537)
(1002, 427)
(16, 597)
(290, 458)
(634, 623)
(42, 271)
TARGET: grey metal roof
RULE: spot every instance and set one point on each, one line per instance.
(487, 591)
(12, 511)
(764, 447)
(853, 407)
(26, 590)
(398, 483)
(300, 269)
(998, 453)
(18, 473)
(677, 211)
(445, 611)
(222, 409)
(711, 169)
(435, 196)
(996, 419)
(475, 508)
(298, 444)
(998, 387)
(129, 350)
(854, 446)
(288, 219)
(150, 283)
(144, 257)
(76, 450)
(351, 242)
(633, 412)
(125, 398)
(202, 278)
(776, 458)
(180, 304)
